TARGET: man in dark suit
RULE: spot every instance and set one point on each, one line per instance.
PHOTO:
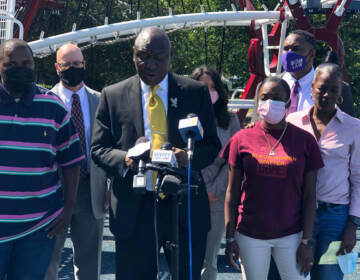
(124, 115)
(87, 222)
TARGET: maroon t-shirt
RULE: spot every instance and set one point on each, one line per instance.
(271, 191)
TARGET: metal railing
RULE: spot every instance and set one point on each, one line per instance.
(235, 104)
(7, 20)
(120, 29)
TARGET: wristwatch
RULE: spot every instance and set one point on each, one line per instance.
(308, 242)
(355, 220)
(230, 239)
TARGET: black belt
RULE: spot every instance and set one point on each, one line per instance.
(326, 205)
(149, 193)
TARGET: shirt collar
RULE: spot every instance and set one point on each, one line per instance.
(339, 114)
(306, 80)
(305, 115)
(67, 93)
(6, 98)
(163, 85)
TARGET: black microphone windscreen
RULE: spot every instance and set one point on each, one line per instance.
(166, 146)
(170, 184)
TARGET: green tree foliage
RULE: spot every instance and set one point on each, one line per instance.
(109, 63)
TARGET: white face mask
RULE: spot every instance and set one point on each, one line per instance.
(214, 96)
(271, 111)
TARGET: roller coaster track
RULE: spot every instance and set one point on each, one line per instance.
(170, 22)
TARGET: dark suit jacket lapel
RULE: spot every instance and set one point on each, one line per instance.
(174, 100)
(135, 101)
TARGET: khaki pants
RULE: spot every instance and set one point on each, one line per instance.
(86, 235)
(255, 256)
(209, 270)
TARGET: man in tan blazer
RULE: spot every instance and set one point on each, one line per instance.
(86, 228)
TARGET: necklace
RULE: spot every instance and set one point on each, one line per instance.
(272, 148)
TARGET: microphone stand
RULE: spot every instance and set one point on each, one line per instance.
(176, 198)
(157, 247)
(174, 246)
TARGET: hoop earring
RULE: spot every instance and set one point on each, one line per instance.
(340, 100)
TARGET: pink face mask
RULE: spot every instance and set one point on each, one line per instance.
(271, 111)
(214, 96)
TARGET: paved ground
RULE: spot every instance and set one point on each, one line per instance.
(108, 264)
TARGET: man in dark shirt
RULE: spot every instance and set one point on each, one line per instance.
(37, 138)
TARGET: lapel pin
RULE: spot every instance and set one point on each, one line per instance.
(173, 102)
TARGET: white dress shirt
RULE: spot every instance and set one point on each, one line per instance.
(66, 96)
(305, 91)
(162, 92)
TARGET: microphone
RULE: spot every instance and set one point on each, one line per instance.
(166, 146)
(178, 172)
(170, 185)
(191, 130)
(140, 152)
(165, 156)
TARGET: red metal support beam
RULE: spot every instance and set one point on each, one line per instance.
(32, 7)
(29, 17)
(328, 33)
(256, 66)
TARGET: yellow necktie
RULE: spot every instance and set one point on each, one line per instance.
(158, 123)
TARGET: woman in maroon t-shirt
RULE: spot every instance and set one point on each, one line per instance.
(271, 190)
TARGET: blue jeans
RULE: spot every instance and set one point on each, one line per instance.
(26, 258)
(329, 225)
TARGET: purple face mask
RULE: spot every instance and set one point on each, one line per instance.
(293, 62)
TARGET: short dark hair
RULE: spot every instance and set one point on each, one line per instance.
(13, 44)
(220, 107)
(278, 80)
(308, 37)
(329, 67)
(332, 57)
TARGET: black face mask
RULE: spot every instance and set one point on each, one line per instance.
(18, 79)
(72, 76)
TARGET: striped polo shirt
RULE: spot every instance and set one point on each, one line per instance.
(37, 137)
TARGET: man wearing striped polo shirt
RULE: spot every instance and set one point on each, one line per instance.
(37, 139)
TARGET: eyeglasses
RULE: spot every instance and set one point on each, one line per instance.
(76, 64)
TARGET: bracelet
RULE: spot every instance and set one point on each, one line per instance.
(308, 242)
(230, 240)
(305, 241)
(355, 220)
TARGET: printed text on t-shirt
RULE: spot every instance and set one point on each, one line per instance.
(272, 166)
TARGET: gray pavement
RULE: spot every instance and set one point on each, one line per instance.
(108, 262)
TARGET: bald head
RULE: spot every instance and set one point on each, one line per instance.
(151, 34)
(69, 52)
(152, 55)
